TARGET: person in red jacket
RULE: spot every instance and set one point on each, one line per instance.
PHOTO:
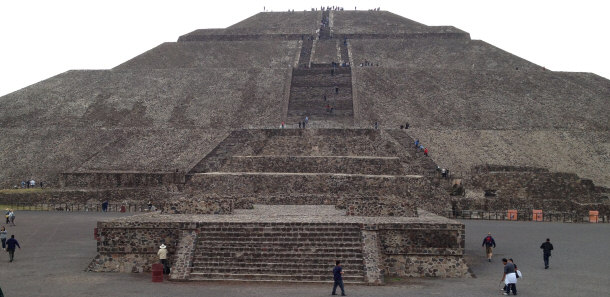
(425, 151)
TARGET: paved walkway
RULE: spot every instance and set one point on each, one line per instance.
(56, 248)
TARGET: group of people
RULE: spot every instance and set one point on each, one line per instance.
(8, 244)
(27, 184)
(304, 123)
(420, 147)
(511, 272)
(10, 217)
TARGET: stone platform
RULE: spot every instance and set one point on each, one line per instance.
(258, 244)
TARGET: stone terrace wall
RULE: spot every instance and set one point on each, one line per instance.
(121, 179)
(307, 164)
(425, 250)
(430, 53)
(261, 184)
(91, 197)
(380, 207)
(535, 184)
(218, 54)
(133, 247)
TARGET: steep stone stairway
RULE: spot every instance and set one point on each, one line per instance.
(322, 92)
(314, 91)
(296, 252)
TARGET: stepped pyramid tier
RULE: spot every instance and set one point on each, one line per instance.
(283, 137)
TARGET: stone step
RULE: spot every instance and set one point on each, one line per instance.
(321, 70)
(286, 268)
(250, 249)
(279, 228)
(321, 112)
(267, 239)
(245, 245)
(279, 234)
(243, 261)
(321, 91)
(326, 278)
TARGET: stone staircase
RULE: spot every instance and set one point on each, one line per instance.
(295, 252)
(325, 25)
(306, 49)
(313, 91)
(323, 91)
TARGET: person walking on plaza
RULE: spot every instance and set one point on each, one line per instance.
(162, 253)
(546, 247)
(3, 236)
(338, 277)
(489, 243)
(510, 277)
(11, 217)
(10, 247)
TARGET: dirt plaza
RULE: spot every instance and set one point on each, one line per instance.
(58, 246)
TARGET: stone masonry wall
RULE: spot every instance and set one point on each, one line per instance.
(120, 179)
(426, 249)
(133, 246)
(423, 250)
(533, 183)
(380, 206)
(306, 164)
(86, 197)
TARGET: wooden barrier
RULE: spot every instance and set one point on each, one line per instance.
(537, 215)
(512, 215)
(593, 216)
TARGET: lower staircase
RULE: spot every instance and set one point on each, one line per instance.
(294, 252)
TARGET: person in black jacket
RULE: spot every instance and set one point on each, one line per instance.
(10, 247)
(546, 247)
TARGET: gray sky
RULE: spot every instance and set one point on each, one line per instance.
(41, 39)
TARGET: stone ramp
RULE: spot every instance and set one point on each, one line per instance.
(295, 252)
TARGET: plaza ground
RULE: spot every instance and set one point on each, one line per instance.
(58, 246)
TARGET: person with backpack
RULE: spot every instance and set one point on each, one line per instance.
(489, 243)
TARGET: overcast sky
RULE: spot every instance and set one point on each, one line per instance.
(41, 39)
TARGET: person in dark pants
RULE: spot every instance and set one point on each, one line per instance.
(10, 247)
(546, 247)
(338, 276)
(105, 206)
(510, 277)
(162, 253)
(3, 235)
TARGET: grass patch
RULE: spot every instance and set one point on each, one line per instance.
(18, 191)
